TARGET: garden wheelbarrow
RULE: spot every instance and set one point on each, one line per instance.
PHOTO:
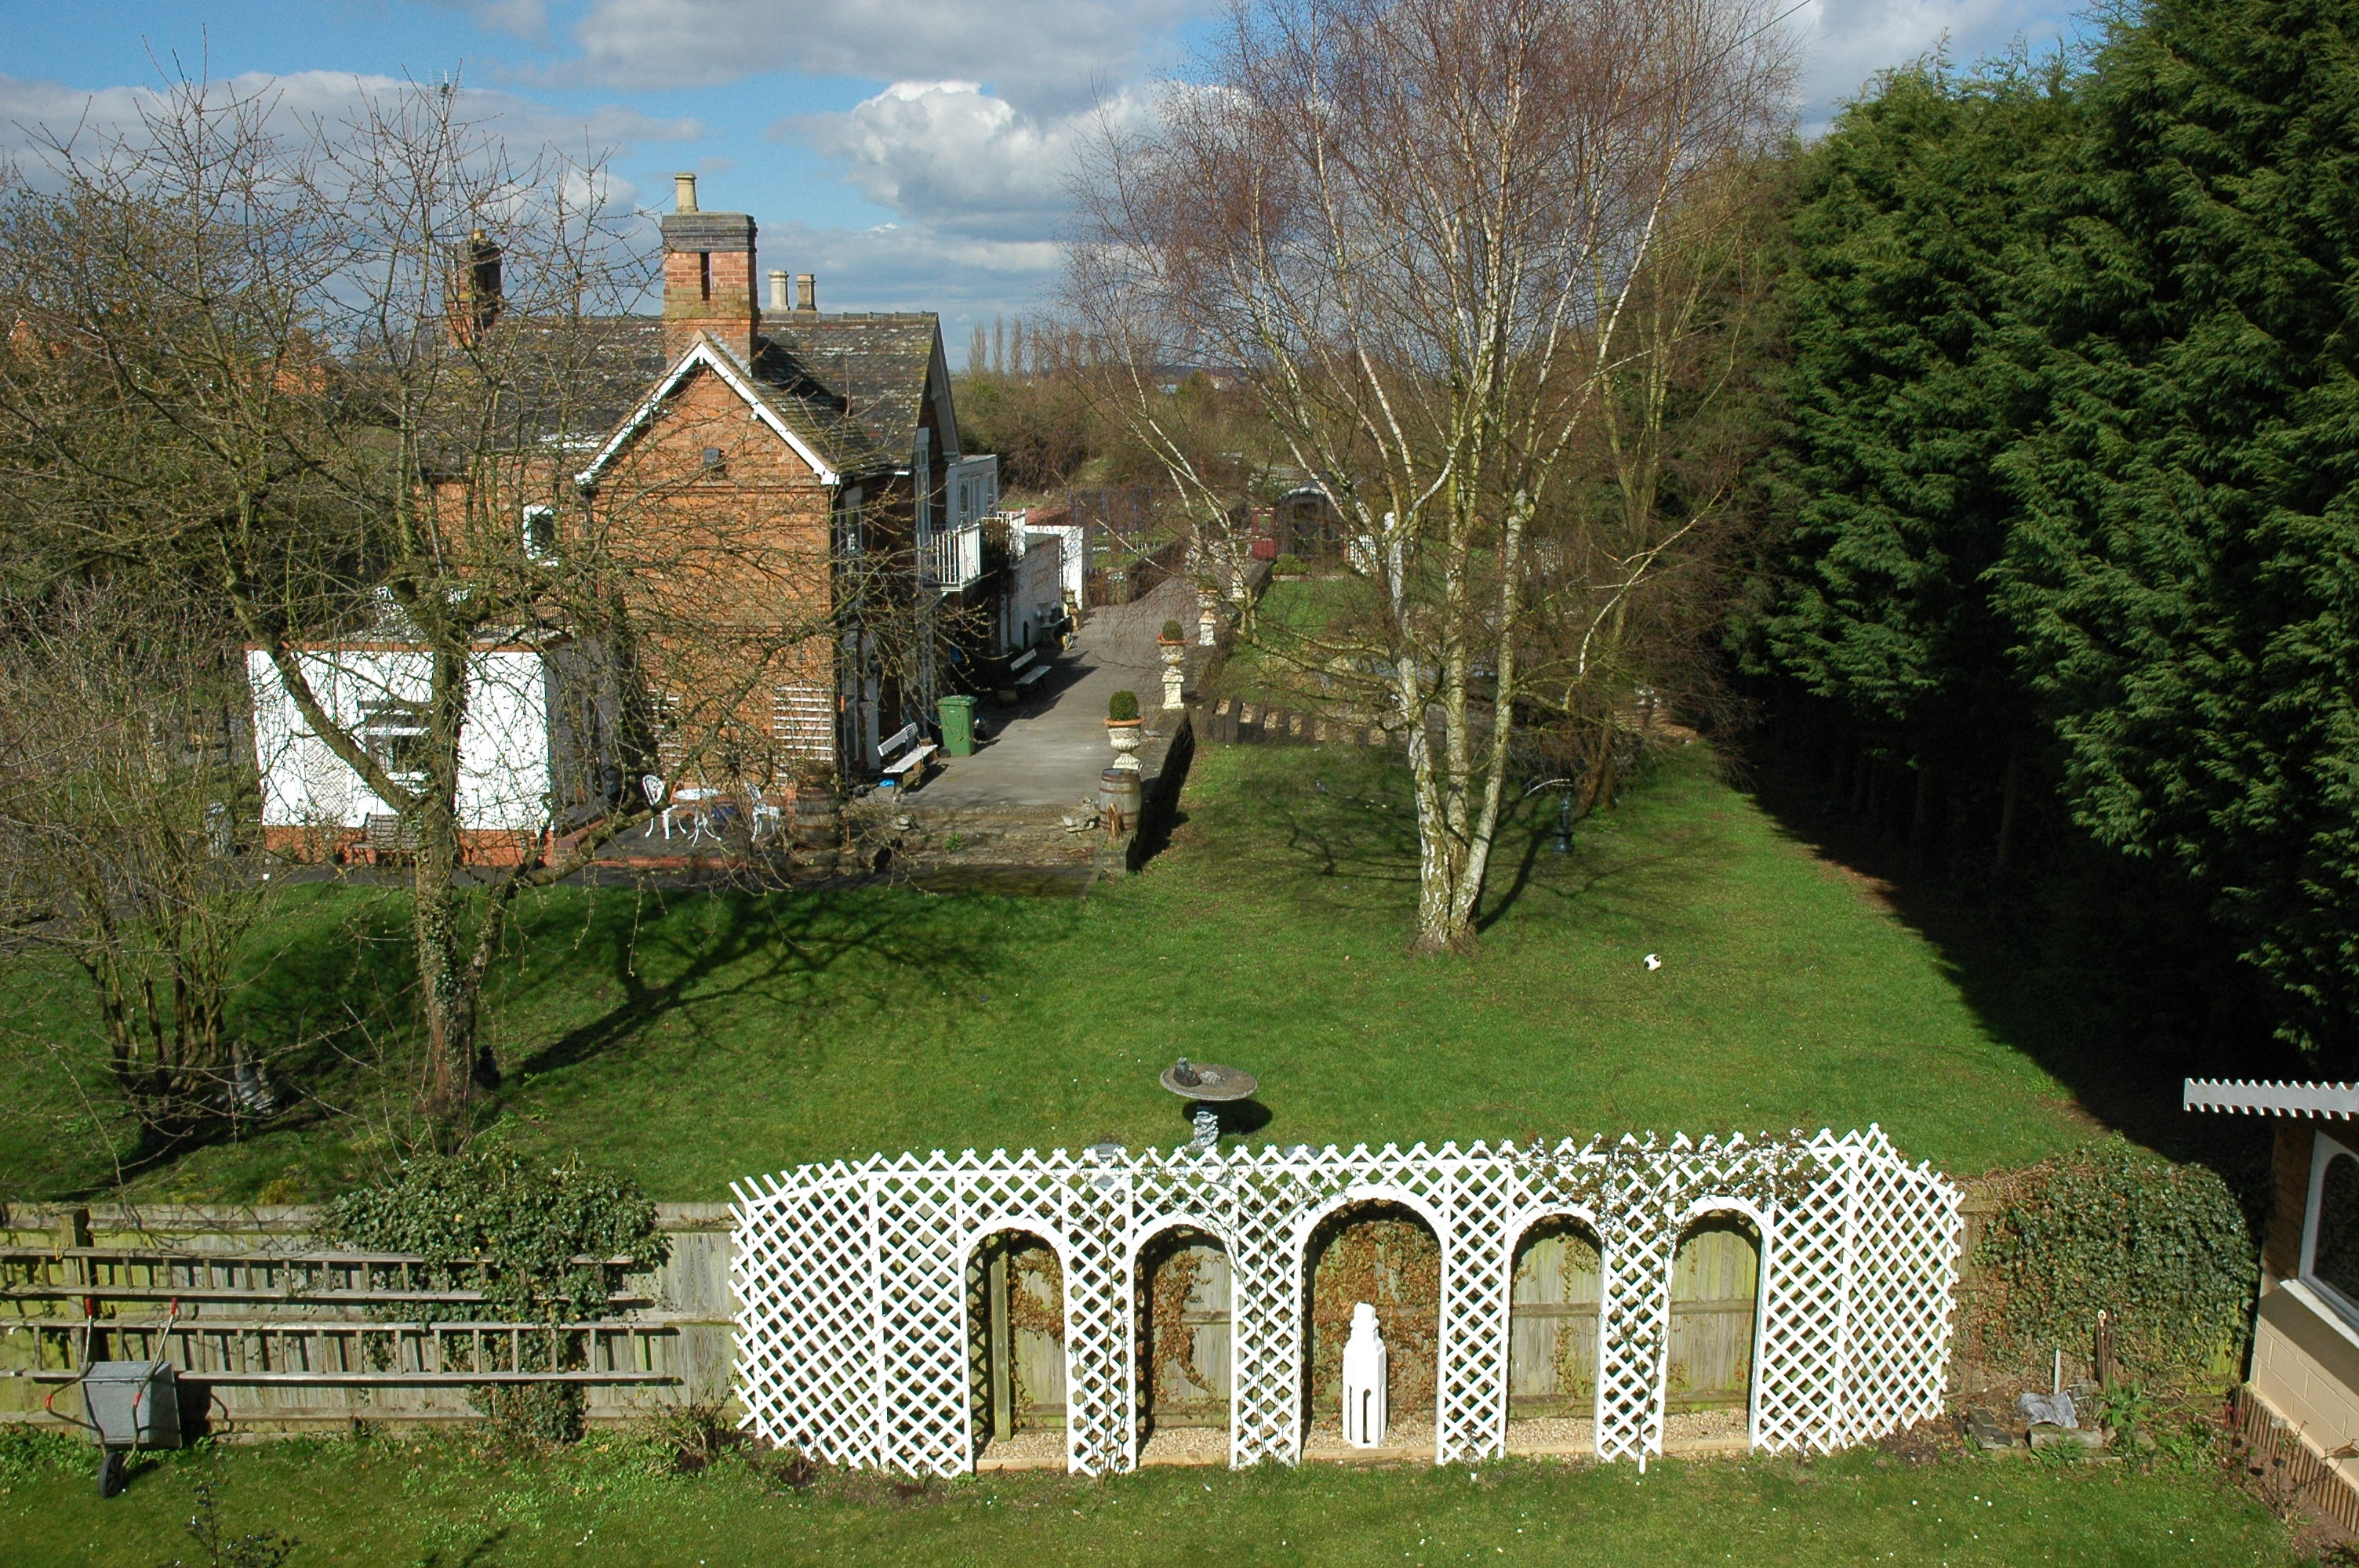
(131, 1405)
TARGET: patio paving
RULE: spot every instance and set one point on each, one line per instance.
(1047, 752)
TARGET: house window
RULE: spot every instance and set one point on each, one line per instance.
(714, 463)
(922, 474)
(847, 522)
(2330, 1244)
(393, 731)
(540, 532)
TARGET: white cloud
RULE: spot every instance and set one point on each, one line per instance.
(1050, 55)
(950, 156)
(34, 113)
(526, 20)
(909, 266)
(1846, 42)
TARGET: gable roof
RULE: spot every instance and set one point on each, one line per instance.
(819, 437)
(872, 368)
(846, 392)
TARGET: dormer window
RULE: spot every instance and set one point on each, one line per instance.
(540, 532)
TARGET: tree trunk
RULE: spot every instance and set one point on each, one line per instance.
(448, 1008)
(1921, 818)
(2010, 798)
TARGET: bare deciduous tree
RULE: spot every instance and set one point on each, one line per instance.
(345, 378)
(123, 796)
(1424, 230)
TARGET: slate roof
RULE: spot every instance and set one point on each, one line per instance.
(851, 387)
(865, 372)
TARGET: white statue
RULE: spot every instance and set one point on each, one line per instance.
(1365, 1361)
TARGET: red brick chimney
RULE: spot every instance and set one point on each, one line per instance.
(708, 276)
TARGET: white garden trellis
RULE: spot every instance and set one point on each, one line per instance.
(853, 1340)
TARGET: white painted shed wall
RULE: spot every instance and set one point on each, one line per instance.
(504, 763)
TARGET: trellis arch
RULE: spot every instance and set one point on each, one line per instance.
(1521, 1225)
(1704, 1208)
(1307, 1230)
(1141, 1236)
(850, 1281)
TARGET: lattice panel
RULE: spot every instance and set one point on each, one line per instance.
(855, 1344)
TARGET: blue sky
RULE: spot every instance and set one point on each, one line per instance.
(911, 152)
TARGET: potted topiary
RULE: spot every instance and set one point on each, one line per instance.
(1171, 642)
(1123, 724)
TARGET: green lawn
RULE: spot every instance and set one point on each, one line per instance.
(695, 1038)
(1269, 666)
(614, 1501)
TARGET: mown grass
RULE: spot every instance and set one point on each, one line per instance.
(1270, 667)
(694, 1038)
(614, 1501)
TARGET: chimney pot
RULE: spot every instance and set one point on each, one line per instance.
(777, 289)
(806, 291)
(684, 190)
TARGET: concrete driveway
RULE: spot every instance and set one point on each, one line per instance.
(1050, 750)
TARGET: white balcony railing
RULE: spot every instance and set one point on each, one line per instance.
(952, 559)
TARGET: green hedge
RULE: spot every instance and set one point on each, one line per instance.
(2162, 1247)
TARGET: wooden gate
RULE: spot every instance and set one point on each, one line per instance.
(1715, 1297)
(1183, 1319)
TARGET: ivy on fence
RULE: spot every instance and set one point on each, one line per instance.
(536, 1238)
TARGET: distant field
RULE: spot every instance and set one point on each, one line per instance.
(697, 1038)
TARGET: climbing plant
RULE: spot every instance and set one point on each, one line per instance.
(1383, 1255)
(2107, 1228)
(540, 1239)
(1174, 1276)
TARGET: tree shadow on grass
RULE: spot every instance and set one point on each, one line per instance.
(1332, 826)
(1663, 862)
(1336, 828)
(779, 949)
(2072, 969)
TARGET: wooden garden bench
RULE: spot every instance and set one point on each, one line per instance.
(906, 770)
(388, 838)
(1022, 676)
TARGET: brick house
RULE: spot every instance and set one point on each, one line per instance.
(793, 476)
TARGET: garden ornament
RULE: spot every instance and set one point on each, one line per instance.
(1207, 1084)
(1364, 1363)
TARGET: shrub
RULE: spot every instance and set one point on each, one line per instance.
(1289, 564)
(2107, 1228)
(1171, 633)
(1123, 706)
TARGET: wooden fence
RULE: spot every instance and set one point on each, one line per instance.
(275, 1334)
(273, 1330)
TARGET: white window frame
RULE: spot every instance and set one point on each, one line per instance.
(538, 517)
(2322, 1152)
(385, 720)
(921, 476)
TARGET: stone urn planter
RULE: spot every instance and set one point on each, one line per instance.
(1122, 726)
(1171, 645)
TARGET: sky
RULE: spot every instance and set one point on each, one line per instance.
(911, 153)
